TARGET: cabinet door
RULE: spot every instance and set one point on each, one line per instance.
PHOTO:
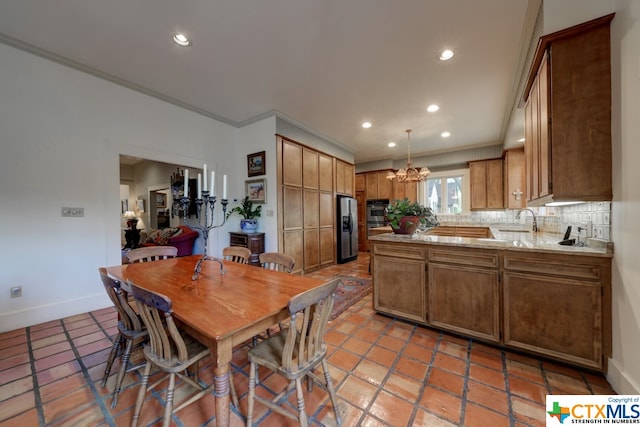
(372, 185)
(309, 169)
(339, 176)
(349, 175)
(292, 214)
(494, 182)
(384, 185)
(291, 164)
(552, 316)
(360, 182)
(325, 172)
(326, 246)
(292, 243)
(478, 173)
(311, 249)
(544, 139)
(399, 282)
(311, 209)
(514, 174)
(465, 300)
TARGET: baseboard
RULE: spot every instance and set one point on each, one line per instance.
(620, 381)
(44, 313)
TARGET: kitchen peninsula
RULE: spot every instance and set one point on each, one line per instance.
(505, 285)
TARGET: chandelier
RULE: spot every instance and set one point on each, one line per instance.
(410, 174)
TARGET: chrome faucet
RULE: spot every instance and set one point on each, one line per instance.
(535, 223)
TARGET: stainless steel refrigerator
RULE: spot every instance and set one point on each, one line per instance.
(347, 226)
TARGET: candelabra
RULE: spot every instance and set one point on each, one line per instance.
(204, 222)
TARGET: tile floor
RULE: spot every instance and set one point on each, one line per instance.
(387, 372)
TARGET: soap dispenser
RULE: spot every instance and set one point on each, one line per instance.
(580, 242)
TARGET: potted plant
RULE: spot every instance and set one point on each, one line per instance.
(406, 217)
(249, 214)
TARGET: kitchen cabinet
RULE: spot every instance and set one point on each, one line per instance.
(405, 189)
(486, 184)
(514, 179)
(345, 175)
(568, 116)
(377, 186)
(402, 268)
(306, 206)
(559, 307)
(464, 292)
(550, 304)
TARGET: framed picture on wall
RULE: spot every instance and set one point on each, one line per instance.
(256, 190)
(256, 164)
(124, 205)
(140, 205)
(161, 200)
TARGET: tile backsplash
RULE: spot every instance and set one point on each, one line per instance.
(593, 218)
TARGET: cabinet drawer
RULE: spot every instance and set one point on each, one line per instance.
(399, 251)
(558, 267)
(238, 240)
(463, 257)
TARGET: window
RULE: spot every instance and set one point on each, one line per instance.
(446, 192)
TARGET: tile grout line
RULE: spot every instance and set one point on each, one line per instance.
(425, 381)
(85, 372)
(34, 377)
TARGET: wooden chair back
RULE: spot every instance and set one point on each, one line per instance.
(165, 339)
(277, 261)
(128, 319)
(237, 254)
(152, 253)
(309, 315)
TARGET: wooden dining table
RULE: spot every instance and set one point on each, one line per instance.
(220, 310)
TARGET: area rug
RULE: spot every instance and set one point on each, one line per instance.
(350, 291)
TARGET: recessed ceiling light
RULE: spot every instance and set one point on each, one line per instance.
(181, 40)
(446, 55)
(432, 108)
(391, 144)
(366, 125)
(521, 140)
(445, 134)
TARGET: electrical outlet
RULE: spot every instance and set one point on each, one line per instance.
(66, 211)
(269, 212)
(16, 292)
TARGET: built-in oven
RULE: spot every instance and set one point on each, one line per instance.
(376, 211)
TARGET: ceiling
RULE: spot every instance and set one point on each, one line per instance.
(326, 64)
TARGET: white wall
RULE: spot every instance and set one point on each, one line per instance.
(61, 133)
(624, 369)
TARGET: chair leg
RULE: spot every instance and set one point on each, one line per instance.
(331, 390)
(112, 357)
(302, 413)
(141, 394)
(168, 408)
(252, 392)
(124, 361)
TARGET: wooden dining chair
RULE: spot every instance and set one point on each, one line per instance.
(294, 352)
(277, 261)
(237, 254)
(172, 351)
(152, 253)
(131, 330)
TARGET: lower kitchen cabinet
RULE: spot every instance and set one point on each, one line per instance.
(548, 304)
(465, 300)
(558, 308)
(403, 268)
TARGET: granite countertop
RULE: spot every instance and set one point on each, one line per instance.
(505, 236)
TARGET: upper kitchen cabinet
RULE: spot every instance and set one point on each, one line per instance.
(486, 184)
(514, 179)
(345, 175)
(568, 116)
